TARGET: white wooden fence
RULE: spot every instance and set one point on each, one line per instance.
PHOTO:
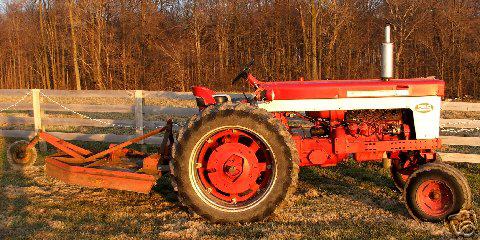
(42, 102)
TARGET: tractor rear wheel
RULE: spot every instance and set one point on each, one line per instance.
(436, 191)
(19, 157)
(235, 163)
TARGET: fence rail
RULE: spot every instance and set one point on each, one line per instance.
(41, 102)
(461, 106)
(460, 157)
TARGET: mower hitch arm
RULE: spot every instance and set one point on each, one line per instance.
(129, 142)
(81, 155)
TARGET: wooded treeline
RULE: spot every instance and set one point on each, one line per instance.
(173, 44)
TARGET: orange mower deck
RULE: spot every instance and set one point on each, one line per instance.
(114, 168)
(99, 178)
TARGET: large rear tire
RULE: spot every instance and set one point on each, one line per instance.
(436, 191)
(235, 163)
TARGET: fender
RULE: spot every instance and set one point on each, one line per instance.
(203, 96)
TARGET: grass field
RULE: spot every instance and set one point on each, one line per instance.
(351, 201)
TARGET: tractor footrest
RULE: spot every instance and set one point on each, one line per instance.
(99, 178)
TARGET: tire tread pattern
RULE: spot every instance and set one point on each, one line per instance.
(462, 180)
(209, 113)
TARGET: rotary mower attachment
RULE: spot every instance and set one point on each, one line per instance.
(115, 168)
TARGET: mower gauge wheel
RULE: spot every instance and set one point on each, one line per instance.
(19, 157)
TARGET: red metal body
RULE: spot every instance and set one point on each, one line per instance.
(434, 197)
(116, 167)
(230, 164)
(204, 93)
(334, 136)
(326, 152)
(338, 88)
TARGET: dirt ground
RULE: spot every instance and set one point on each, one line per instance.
(352, 201)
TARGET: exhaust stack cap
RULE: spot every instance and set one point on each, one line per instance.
(387, 34)
(387, 56)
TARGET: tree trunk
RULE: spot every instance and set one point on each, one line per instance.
(74, 45)
(315, 11)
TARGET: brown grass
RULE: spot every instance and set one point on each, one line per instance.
(352, 201)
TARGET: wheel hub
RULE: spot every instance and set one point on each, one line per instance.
(435, 197)
(234, 165)
(20, 155)
(233, 168)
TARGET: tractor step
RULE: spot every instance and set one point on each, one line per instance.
(100, 177)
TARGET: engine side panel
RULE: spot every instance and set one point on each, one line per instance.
(426, 110)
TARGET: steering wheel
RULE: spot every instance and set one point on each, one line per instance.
(244, 72)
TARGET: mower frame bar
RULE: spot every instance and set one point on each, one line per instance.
(80, 155)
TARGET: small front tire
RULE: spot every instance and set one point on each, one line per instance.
(436, 191)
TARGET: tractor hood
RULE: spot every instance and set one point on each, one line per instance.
(320, 89)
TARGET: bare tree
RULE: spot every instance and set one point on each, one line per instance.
(73, 20)
(171, 45)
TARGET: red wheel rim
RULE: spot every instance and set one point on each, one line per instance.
(435, 198)
(234, 166)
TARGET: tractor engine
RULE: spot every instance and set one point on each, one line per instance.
(376, 125)
(366, 125)
(337, 134)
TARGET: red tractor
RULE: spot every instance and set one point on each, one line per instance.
(238, 161)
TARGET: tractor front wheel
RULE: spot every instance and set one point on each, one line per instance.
(19, 157)
(436, 191)
(235, 163)
(402, 167)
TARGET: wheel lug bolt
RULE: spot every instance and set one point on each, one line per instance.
(234, 200)
(198, 165)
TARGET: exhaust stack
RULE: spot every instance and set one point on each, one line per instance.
(387, 56)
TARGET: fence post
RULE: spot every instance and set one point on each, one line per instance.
(37, 117)
(139, 102)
